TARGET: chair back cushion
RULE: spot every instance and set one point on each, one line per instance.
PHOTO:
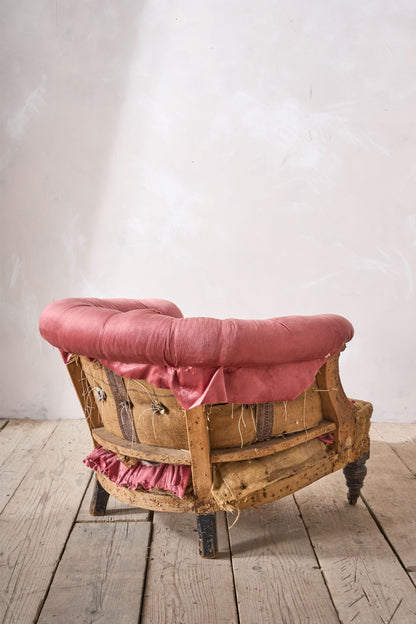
(202, 360)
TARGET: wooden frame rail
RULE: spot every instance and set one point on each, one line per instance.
(166, 455)
(121, 446)
(335, 404)
(261, 449)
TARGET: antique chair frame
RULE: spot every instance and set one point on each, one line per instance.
(346, 420)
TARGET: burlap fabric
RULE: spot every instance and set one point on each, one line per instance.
(137, 411)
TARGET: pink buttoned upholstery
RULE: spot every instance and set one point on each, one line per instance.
(202, 360)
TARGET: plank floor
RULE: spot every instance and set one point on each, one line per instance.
(310, 558)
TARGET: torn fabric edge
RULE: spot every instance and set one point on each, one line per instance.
(169, 477)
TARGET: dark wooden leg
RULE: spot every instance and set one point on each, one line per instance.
(99, 500)
(207, 535)
(354, 475)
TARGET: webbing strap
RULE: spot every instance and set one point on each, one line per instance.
(264, 421)
(123, 405)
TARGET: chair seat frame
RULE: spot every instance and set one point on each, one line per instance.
(346, 420)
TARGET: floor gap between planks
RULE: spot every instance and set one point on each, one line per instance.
(308, 558)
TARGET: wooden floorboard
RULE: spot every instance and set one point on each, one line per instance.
(101, 575)
(3, 423)
(35, 524)
(390, 493)
(367, 582)
(318, 562)
(276, 573)
(401, 438)
(21, 443)
(181, 586)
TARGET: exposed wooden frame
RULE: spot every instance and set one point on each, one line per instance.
(340, 419)
(199, 448)
(83, 391)
(275, 445)
(335, 404)
(121, 446)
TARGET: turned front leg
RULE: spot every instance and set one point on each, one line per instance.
(99, 500)
(354, 476)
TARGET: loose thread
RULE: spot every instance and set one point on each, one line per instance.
(88, 378)
(213, 479)
(242, 415)
(239, 425)
(207, 411)
(304, 412)
(229, 489)
(236, 519)
(254, 421)
(153, 424)
(153, 397)
(146, 409)
(86, 395)
(226, 506)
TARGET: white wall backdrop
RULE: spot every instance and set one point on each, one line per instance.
(240, 158)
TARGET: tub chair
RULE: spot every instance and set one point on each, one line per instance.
(199, 414)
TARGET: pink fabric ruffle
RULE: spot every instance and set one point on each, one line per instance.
(327, 438)
(169, 477)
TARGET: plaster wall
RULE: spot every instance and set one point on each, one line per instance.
(247, 159)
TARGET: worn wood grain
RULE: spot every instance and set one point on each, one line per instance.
(286, 486)
(21, 442)
(367, 582)
(366, 579)
(335, 404)
(401, 437)
(390, 491)
(101, 575)
(35, 524)
(180, 585)
(113, 443)
(156, 501)
(277, 577)
(83, 392)
(199, 447)
(262, 449)
(117, 511)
